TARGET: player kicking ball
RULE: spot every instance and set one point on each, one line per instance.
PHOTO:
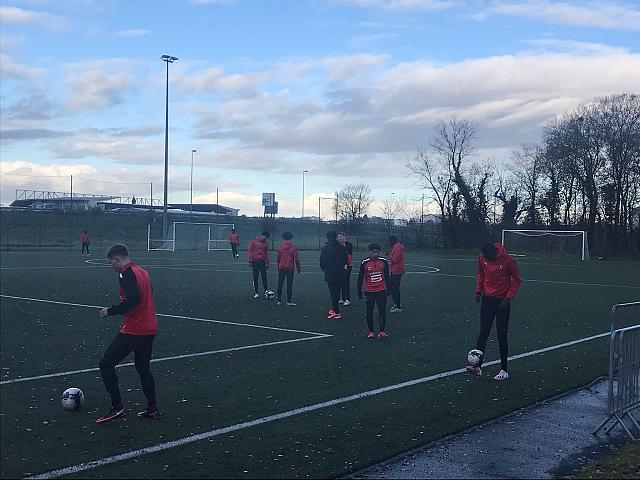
(374, 275)
(136, 335)
(498, 282)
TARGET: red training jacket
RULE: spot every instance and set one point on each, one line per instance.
(396, 257)
(288, 257)
(234, 239)
(84, 238)
(142, 318)
(374, 274)
(499, 278)
(258, 251)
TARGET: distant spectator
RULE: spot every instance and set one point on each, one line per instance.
(85, 240)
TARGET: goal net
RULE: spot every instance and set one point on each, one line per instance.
(547, 243)
(194, 237)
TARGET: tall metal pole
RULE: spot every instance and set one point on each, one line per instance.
(71, 203)
(319, 223)
(192, 152)
(336, 209)
(165, 224)
(303, 172)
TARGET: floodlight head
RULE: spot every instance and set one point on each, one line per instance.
(193, 151)
(168, 58)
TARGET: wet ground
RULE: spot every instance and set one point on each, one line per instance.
(549, 440)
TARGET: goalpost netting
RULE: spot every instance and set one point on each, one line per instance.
(193, 236)
(572, 243)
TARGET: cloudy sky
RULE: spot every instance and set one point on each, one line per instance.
(347, 89)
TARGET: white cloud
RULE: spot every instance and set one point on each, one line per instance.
(10, 41)
(96, 89)
(131, 33)
(598, 14)
(20, 16)
(214, 80)
(10, 69)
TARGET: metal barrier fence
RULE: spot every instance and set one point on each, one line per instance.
(624, 371)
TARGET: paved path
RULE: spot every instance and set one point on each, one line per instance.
(547, 440)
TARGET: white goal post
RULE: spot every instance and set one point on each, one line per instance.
(567, 242)
(192, 236)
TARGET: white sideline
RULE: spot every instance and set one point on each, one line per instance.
(271, 418)
(182, 317)
(164, 359)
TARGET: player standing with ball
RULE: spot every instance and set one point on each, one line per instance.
(136, 335)
(498, 282)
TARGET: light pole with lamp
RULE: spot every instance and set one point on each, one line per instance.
(168, 59)
(192, 152)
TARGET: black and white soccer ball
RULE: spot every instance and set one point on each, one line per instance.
(269, 295)
(72, 399)
(474, 357)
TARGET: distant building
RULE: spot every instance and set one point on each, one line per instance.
(50, 201)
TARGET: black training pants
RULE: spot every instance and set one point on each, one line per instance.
(490, 308)
(345, 289)
(234, 250)
(334, 292)
(121, 346)
(395, 289)
(380, 299)
(281, 278)
(85, 245)
(259, 267)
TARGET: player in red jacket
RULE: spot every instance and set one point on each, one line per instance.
(396, 257)
(234, 241)
(288, 260)
(136, 335)
(258, 255)
(374, 275)
(84, 239)
(498, 282)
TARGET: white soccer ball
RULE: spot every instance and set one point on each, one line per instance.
(72, 399)
(269, 295)
(474, 357)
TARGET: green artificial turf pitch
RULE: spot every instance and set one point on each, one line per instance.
(245, 373)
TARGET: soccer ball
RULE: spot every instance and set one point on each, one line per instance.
(72, 399)
(269, 295)
(474, 357)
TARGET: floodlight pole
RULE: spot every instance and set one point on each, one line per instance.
(303, 172)
(192, 152)
(168, 59)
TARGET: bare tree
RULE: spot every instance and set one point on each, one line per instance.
(434, 175)
(353, 203)
(528, 167)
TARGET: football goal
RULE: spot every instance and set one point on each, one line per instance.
(189, 236)
(569, 243)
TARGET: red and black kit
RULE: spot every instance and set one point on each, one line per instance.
(374, 277)
(136, 334)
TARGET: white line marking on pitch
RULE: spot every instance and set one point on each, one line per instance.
(271, 418)
(182, 317)
(164, 359)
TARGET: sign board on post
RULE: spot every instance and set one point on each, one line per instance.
(271, 210)
(268, 199)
